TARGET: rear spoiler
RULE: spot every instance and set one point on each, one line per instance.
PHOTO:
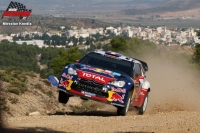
(144, 64)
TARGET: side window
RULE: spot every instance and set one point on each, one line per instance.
(143, 72)
(137, 70)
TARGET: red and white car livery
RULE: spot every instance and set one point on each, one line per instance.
(107, 77)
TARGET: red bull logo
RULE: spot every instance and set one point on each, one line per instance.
(67, 76)
(116, 97)
(64, 83)
(120, 90)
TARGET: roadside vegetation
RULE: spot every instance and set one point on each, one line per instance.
(87, 106)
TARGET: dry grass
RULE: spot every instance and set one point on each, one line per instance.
(87, 106)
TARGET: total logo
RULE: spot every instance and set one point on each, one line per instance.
(95, 77)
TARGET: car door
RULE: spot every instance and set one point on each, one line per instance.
(138, 81)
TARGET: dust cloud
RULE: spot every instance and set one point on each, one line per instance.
(175, 86)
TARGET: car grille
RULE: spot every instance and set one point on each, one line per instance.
(89, 86)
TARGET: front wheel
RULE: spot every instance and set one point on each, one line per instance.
(142, 109)
(122, 111)
(63, 97)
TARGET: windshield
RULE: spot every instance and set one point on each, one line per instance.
(107, 63)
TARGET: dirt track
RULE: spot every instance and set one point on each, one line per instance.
(104, 122)
(173, 107)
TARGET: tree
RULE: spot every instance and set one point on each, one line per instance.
(99, 46)
(27, 37)
(81, 40)
(15, 38)
(118, 44)
(198, 33)
(65, 57)
(197, 54)
(36, 36)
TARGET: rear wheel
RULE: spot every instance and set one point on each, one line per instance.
(63, 97)
(142, 109)
(123, 110)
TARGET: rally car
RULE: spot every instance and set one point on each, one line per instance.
(108, 77)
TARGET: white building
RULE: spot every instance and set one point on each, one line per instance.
(130, 33)
(39, 43)
(70, 33)
(84, 35)
(9, 38)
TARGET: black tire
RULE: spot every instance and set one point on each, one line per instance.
(143, 108)
(122, 111)
(63, 97)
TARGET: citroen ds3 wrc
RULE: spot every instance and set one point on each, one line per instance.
(107, 77)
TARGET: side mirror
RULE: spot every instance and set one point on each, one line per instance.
(77, 61)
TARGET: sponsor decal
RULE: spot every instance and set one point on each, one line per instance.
(88, 94)
(99, 70)
(86, 86)
(116, 97)
(94, 97)
(120, 90)
(113, 96)
(67, 76)
(112, 56)
(66, 84)
(116, 74)
(95, 77)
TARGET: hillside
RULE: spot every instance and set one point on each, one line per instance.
(52, 24)
(26, 94)
(74, 6)
(170, 6)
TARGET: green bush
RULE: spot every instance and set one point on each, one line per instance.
(1, 75)
(27, 114)
(14, 90)
(39, 86)
(2, 100)
(49, 93)
(1, 84)
(8, 78)
(22, 78)
(25, 86)
(31, 74)
(46, 82)
(9, 70)
(13, 100)
(6, 107)
(21, 85)
(22, 89)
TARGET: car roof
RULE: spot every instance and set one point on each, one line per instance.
(123, 57)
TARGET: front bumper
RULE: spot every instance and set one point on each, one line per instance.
(95, 92)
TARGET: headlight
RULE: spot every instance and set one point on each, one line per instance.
(118, 83)
(72, 71)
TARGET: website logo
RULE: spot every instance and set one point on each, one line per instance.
(16, 9)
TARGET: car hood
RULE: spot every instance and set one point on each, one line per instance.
(97, 74)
